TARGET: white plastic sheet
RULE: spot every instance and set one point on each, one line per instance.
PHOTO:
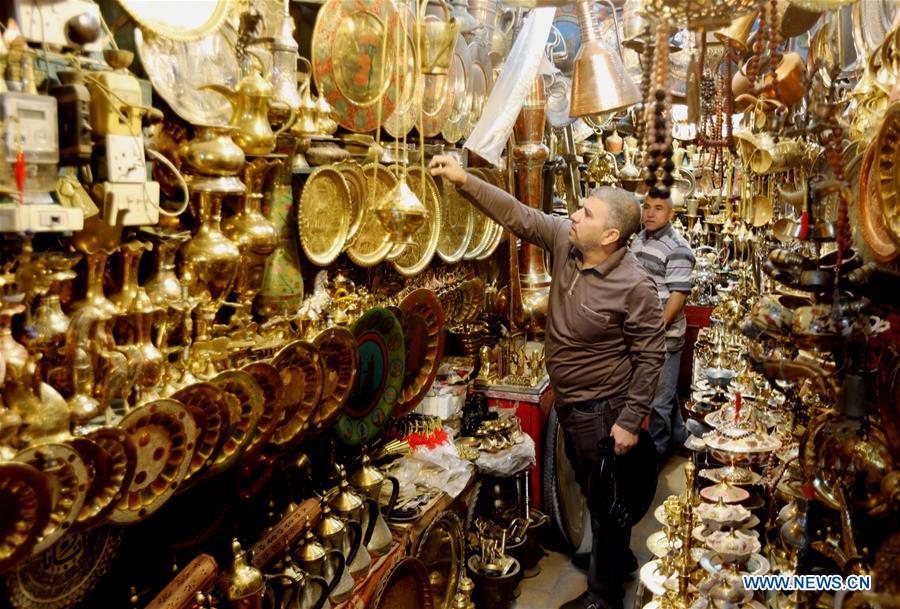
(491, 132)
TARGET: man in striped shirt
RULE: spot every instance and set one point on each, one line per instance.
(668, 258)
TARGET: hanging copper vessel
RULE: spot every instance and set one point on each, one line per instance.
(530, 155)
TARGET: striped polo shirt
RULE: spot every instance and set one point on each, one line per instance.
(668, 258)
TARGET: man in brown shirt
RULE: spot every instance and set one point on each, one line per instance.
(604, 341)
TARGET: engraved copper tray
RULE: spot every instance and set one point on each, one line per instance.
(109, 455)
(209, 407)
(300, 367)
(424, 336)
(250, 400)
(272, 387)
(340, 362)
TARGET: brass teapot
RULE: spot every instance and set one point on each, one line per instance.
(368, 480)
(345, 537)
(250, 103)
(313, 557)
(244, 584)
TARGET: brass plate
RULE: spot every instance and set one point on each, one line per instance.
(423, 335)
(416, 256)
(440, 548)
(25, 497)
(437, 101)
(356, 182)
(209, 407)
(323, 215)
(479, 83)
(164, 432)
(406, 115)
(888, 170)
(203, 18)
(340, 362)
(458, 117)
(63, 576)
(405, 585)
(481, 229)
(496, 178)
(457, 223)
(68, 480)
(110, 457)
(373, 242)
(272, 387)
(250, 400)
(300, 367)
(351, 42)
(871, 218)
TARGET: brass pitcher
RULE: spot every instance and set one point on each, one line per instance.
(305, 126)
(314, 558)
(368, 480)
(437, 38)
(293, 588)
(250, 113)
(244, 584)
(345, 537)
(348, 504)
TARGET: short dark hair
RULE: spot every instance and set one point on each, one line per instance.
(623, 212)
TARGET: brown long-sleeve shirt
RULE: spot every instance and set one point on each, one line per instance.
(605, 337)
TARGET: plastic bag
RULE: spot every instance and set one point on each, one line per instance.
(491, 132)
(518, 457)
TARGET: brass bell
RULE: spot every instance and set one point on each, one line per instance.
(736, 34)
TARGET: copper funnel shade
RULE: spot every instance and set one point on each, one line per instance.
(600, 82)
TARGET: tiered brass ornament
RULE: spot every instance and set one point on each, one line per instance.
(300, 367)
(417, 254)
(424, 336)
(68, 480)
(354, 42)
(373, 242)
(324, 215)
(457, 224)
(164, 433)
(698, 14)
(25, 496)
(340, 364)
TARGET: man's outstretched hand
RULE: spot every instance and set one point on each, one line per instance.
(447, 167)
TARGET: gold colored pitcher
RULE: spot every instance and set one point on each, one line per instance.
(437, 38)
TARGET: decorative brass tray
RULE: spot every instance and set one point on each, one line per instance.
(272, 387)
(68, 480)
(201, 20)
(418, 254)
(441, 551)
(480, 81)
(457, 122)
(300, 367)
(209, 407)
(412, 86)
(373, 242)
(340, 362)
(66, 572)
(163, 432)
(887, 165)
(25, 497)
(437, 101)
(424, 336)
(457, 224)
(481, 230)
(356, 182)
(353, 46)
(324, 215)
(110, 459)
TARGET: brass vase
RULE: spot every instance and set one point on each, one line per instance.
(163, 286)
(208, 262)
(150, 360)
(132, 251)
(13, 353)
(282, 285)
(530, 155)
(255, 237)
(212, 152)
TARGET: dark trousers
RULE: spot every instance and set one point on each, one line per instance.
(585, 424)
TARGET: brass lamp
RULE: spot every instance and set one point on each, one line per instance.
(401, 212)
(600, 82)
